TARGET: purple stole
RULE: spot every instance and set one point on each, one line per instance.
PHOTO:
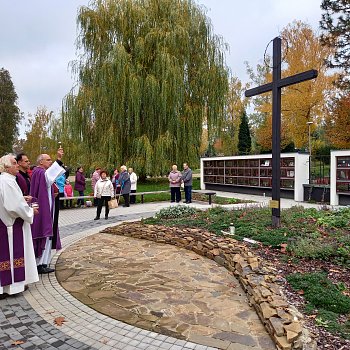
(18, 254)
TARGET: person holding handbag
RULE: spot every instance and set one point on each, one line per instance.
(103, 192)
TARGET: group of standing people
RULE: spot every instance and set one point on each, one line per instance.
(121, 184)
(28, 219)
(178, 179)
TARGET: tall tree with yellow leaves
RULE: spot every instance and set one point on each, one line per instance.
(37, 135)
(338, 123)
(306, 101)
(236, 105)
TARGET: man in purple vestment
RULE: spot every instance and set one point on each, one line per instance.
(17, 260)
(22, 176)
(44, 229)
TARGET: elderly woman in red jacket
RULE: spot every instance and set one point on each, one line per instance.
(80, 185)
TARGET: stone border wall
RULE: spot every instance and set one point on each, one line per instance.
(262, 284)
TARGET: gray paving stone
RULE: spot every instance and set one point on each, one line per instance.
(165, 346)
(176, 347)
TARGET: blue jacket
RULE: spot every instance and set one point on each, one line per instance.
(60, 182)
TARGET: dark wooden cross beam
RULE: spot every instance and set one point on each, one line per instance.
(275, 86)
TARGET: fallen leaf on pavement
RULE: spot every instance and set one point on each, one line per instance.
(17, 342)
(59, 321)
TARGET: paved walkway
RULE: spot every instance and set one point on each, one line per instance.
(26, 320)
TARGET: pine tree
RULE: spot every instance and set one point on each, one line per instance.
(244, 139)
(9, 112)
(151, 74)
(336, 26)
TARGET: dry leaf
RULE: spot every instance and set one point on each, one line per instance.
(283, 247)
(59, 321)
(300, 292)
(17, 342)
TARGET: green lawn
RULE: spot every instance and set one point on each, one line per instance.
(162, 184)
(150, 185)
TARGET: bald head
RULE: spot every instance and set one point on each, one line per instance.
(44, 161)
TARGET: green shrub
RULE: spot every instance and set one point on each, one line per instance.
(320, 292)
(334, 219)
(178, 211)
(324, 298)
(313, 248)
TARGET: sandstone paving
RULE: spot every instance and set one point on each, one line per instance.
(161, 288)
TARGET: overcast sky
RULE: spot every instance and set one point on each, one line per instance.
(37, 40)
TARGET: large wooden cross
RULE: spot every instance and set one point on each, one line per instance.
(275, 86)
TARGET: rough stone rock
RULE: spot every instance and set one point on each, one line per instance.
(267, 310)
(277, 326)
(283, 343)
(221, 261)
(291, 336)
(215, 252)
(294, 327)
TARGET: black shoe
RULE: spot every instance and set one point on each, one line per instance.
(48, 270)
(106, 217)
(188, 202)
(43, 270)
(185, 202)
(97, 218)
(125, 206)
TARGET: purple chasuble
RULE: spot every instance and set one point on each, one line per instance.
(18, 254)
(42, 226)
(22, 183)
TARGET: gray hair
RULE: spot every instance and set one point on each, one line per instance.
(39, 159)
(5, 162)
(123, 167)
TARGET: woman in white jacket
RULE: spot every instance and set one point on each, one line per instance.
(103, 192)
(133, 181)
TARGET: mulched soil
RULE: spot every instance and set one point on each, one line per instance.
(326, 340)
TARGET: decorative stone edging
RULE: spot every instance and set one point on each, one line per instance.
(282, 321)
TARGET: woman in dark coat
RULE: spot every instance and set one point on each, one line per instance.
(80, 185)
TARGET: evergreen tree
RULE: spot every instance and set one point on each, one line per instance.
(9, 113)
(244, 139)
(336, 25)
(151, 74)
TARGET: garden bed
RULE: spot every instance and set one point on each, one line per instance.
(309, 241)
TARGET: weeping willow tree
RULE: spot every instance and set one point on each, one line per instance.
(150, 74)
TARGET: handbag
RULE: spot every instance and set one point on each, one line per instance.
(113, 203)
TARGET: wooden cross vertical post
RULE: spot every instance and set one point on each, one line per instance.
(275, 86)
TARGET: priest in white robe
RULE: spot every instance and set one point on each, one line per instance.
(17, 259)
